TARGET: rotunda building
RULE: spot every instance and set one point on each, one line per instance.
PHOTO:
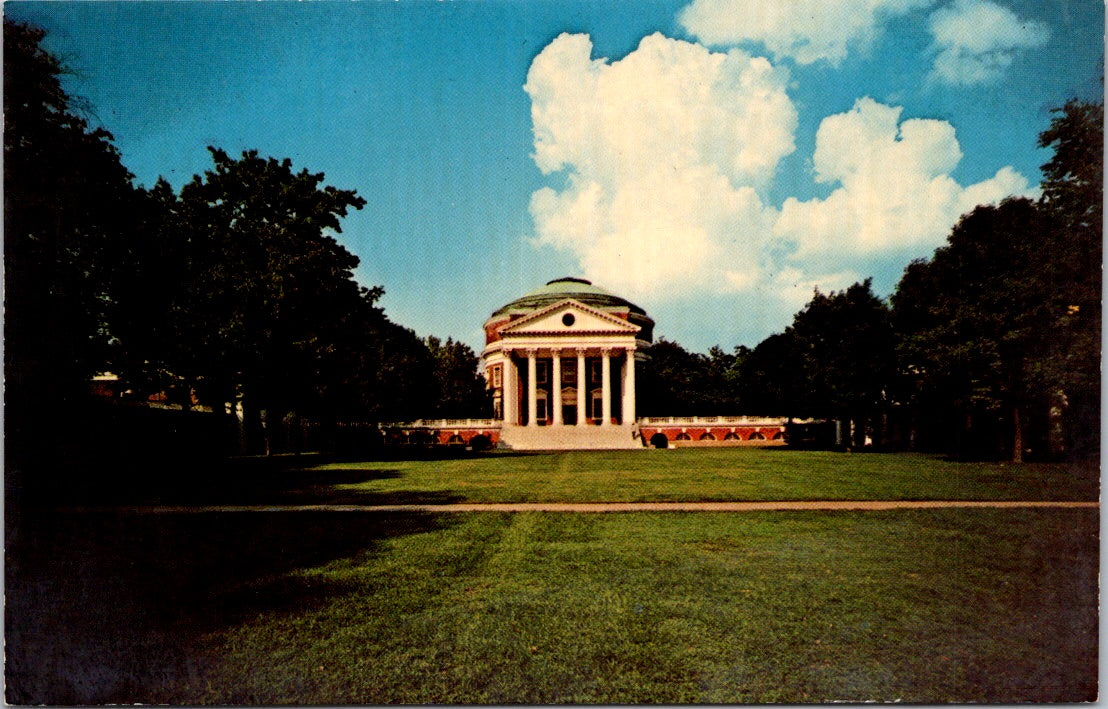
(560, 362)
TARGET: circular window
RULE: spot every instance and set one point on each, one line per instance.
(568, 319)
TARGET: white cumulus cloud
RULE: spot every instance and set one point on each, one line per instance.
(805, 30)
(660, 163)
(894, 193)
(976, 41)
(665, 153)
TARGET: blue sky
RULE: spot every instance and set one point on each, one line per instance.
(712, 160)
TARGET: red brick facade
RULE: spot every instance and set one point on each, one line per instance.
(444, 436)
(691, 436)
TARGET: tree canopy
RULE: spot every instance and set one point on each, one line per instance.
(974, 322)
(676, 382)
(235, 287)
(460, 389)
(67, 198)
(1001, 328)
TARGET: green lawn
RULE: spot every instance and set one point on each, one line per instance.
(916, 606)
(704, 474)
(284, 606)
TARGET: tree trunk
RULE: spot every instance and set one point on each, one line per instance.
(267, 443)
(1017, 436)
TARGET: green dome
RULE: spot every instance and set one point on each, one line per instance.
(579, 289)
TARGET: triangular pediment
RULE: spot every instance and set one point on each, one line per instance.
(569, 317)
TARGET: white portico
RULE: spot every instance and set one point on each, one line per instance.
(561, 363)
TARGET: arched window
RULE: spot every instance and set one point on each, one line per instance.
(731, 436)
(779, 435)
(683, 437)
(480, 442)
(707, 436)
(756, 436)
(456, 440)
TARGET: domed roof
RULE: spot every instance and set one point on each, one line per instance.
(579, 289)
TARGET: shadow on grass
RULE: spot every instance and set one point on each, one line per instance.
(284, 479)
(110, 607)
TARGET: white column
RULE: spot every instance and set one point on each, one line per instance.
(629, 389)
(508, 402)
(582, 389)
(532, 389)
(556, 389)
(605, 388)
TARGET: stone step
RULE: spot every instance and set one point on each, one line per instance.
(570, 437)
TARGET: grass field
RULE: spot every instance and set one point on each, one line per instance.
(322, 607)
(705, 474)
(691, 474)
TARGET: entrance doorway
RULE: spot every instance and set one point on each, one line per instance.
(569, 406)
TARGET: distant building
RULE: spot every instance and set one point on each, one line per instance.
(561, 361)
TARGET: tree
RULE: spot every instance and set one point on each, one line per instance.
(771, 377)
(999, 332)
(843, 348)
(722, 380)
(393, 378)
(676, 382)
(670, 383)
(460, 390)
(146, 350)
(975, 323)
(1073, 196)
(67, 198)
(268, 300)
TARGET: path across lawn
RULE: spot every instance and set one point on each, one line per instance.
(783, 505)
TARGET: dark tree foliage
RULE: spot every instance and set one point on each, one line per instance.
(268, 293)
(670, 383)
(460, 390)
(999, 334)
(974, 327)
(835, 361)
(241, 293)
(66, 196)
(843, 345)
(1073, 197)
(269, 311)
(146, 293)
(770, 383)
(394, 375)
(723, 376)
(235, 288)
(676, 382)
(1073, 188)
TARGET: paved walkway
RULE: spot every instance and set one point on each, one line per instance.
(612, 506)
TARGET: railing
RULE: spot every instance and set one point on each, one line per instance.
(446, 423)
(712, 421)
(643, 421)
